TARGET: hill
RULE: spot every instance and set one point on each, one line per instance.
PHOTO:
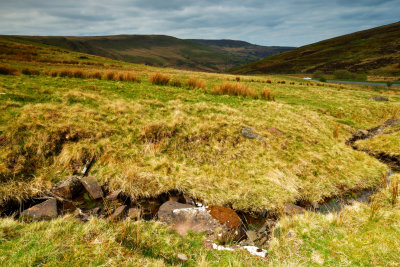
(162, 51)
(259, 146)
(374, 51)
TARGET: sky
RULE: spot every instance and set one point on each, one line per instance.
(270, 22)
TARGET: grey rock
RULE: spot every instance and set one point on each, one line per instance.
(250, 134)
(43, 211)
(134, 213)
(251, 235)
(184, 217)
(118, 213)
(67, 188)
(379, 98)
(113, 195)
(182, 257)
(93, 188)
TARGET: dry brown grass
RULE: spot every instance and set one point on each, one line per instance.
(195, 83)
(109, 75)
(95, 75)
(235, 89)
(176, 82)
(53, 73)
(8, 70)
(266, 94)
(159, 79)
(66, 73)
(77, 73)
(27, 71)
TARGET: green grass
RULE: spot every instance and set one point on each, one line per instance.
(149, 139)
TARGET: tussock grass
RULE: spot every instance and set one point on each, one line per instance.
(8, 70)
(160, 79)
(360, 234)
(266, 94)
(66, 73)
(235, 89)
(77, 73)
(95, 75)
(109, 75)
(195, 83)
(176, 82)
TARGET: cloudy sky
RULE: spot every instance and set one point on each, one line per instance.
(269, 22)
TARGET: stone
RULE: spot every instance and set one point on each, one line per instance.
(250, 134)
(225, 216)
(118, 213)
(189, 201)
(113, 195)
(44, 211)
(184, 217)
(67, 188)
(251, 235)
(379, 98)
(80, 215)
(93, 188)
(134, 213)
(182, 257)
(292, 209)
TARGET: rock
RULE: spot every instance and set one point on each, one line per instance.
(93, 188)
(225, 216)
(248, 133)
(379, 98)
(43, 211)
(292, 209)
(182, 257)
(68, 188)
(118, 213)
(95, 211)
(80, 215)
(113, 195)
(275, 131)
(189, 201)
(184, 217)
(134, 213)
(251, 235)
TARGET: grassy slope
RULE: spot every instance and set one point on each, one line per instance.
(51, 125)
(375, 51)
(160, 50)
(388, 142)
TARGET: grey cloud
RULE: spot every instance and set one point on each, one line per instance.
(285, 22)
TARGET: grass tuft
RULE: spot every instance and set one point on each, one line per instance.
(235, 89)
(195, 83)
(159, 79)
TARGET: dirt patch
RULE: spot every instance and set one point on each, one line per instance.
(225, 216)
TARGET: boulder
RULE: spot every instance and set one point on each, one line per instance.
(68, 188)
(225, 216)
(250, 134)
(44, 211)
(118, 213)
(184, 217)
(93, 188)
(113, 195)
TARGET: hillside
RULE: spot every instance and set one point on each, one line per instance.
(272, 150)
(244, 50)
(373, 51)
(161, 50)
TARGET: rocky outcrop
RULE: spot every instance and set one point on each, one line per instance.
(67, 188)
(93, 188)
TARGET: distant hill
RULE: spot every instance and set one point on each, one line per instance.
(165, 51)
(374, 51)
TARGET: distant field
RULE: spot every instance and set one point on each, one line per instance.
(60, 107)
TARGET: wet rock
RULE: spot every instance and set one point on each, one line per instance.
(379, 98)
(292, 209)
(68, 188)
(93, 188)
(44, 211)
(113, 195)
(119, 213)
(134, 213)
(182, 257)
(184, 217)
(250, 134)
